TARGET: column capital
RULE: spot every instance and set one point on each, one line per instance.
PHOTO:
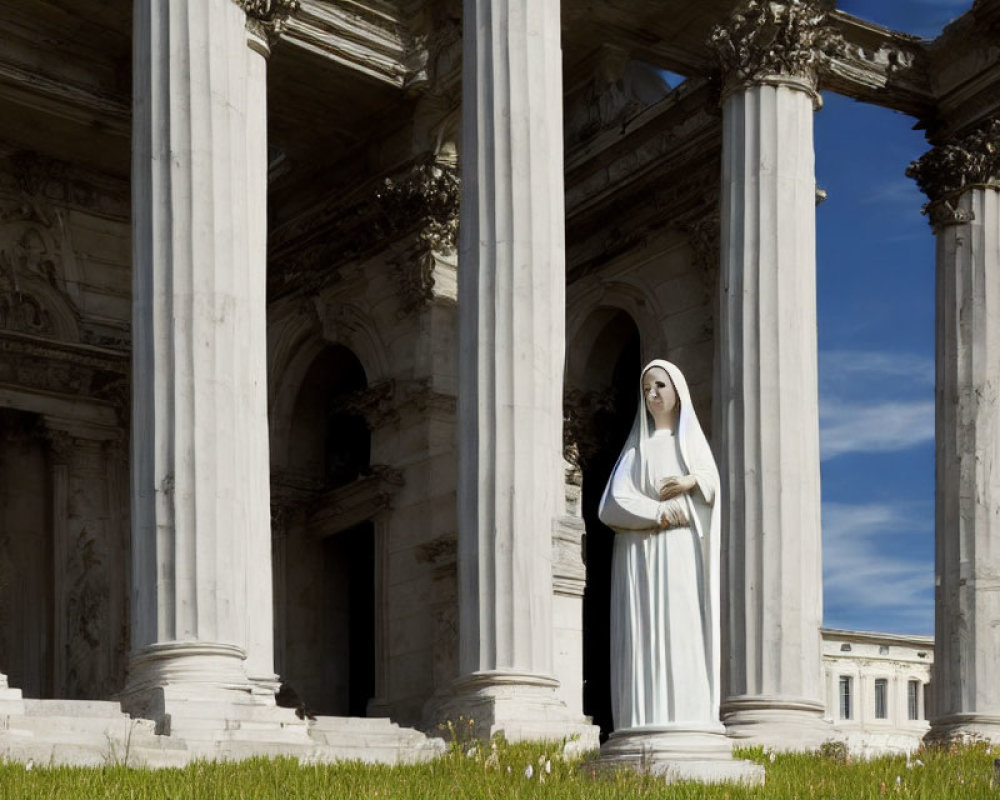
(959, 163)
(768, 42)
(266, 18)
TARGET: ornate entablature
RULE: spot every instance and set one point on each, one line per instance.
(764, 40)
(963, 162)
(424, 198)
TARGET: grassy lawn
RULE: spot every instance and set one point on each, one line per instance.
(503, 772)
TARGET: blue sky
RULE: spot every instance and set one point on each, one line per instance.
(876, 337)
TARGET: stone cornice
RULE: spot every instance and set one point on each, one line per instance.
(357, 34)
(764, 40)
(958, 164)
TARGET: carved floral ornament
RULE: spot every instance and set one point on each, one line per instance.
(764, 40)
(964, 162)
(266, 18)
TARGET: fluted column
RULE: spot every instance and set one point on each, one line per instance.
(769, 442)
(511, 344)
(962, 179)
(201, 582)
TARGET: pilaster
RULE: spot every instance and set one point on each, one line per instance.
(961, 178)
(511, 341)
(768, 398)
(201, 577)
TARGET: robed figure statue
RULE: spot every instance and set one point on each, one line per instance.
(662, 502)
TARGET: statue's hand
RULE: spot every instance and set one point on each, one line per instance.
(676, 486)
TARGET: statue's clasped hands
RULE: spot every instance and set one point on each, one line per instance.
(674, 516)
(675, 486)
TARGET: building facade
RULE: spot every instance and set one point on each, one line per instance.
(275, 424)
(877, 688)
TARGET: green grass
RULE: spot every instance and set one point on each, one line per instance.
(484, 772)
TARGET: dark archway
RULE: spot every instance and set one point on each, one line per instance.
(329, 614)
(609, 409)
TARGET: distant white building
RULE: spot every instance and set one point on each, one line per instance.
(876, 689)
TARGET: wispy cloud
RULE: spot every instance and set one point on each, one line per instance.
(874, 402)
(899, 192)
(879, 428)
(870, 573)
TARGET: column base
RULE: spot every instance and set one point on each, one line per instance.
(778, 723)
(171, 677)
(964, 728)
(523, 706)
(682, 752)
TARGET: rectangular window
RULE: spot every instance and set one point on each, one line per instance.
(845, 697)
(881, 698)
(913, 699)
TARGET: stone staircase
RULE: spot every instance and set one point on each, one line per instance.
(85, 733)
(97, 733)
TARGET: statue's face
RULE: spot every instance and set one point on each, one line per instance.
(659, 392)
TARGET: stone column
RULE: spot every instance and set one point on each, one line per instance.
(772, 688)
(962, 179)
(201, 591)
(511, 343)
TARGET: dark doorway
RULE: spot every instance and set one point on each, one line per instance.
(611, 423)
(349, 619)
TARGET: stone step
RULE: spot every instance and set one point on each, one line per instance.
(356, 724)
(75, 750)
(122, 726)
(73, 708)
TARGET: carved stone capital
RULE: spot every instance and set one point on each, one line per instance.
(266, 18)
(764, 41)
(960, 163)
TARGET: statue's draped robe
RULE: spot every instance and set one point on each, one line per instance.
(664, 590)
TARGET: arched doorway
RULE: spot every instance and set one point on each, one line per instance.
(605, 406)
(326, 573)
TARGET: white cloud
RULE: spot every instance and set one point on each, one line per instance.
(876, 428)
(874, 402)
(839, 367)
(867, 575)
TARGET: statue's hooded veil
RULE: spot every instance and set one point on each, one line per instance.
(696, 458)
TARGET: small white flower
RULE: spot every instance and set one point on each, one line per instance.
(899, 780)
(918, 762)
(508, 770)
(529, 771)
(471, 752)
(30, 765)
(770, 757)
(548, 767)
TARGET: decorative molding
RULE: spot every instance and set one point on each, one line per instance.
(65, 369)
(569, 573)
(765, 40)
(375, 404)
(960, 163)
(356, 502)
(423, 197)
(366, 37)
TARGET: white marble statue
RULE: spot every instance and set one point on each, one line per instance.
(662, 502)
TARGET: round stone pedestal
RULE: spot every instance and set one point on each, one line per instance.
(679, 753)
